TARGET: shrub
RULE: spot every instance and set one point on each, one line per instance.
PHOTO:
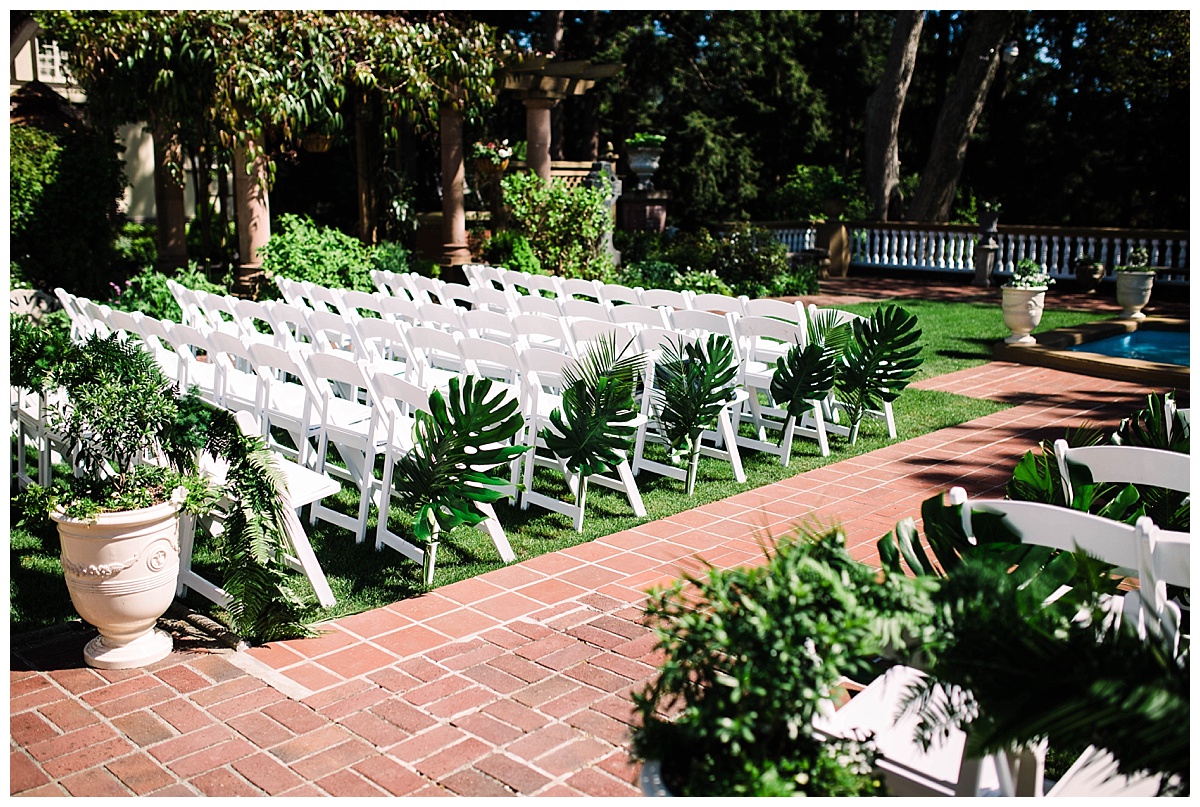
(649, 274)
(749, 260)
(807, 189)
(147, 291)
(510, 249)
(302, 250)
(567, 228)
(135, 247)
(390, 256)
(640, 245)
(63, 194)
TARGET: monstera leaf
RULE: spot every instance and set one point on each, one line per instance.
(456, 445)
(592, 427)
(691, 386)
(881, 357)
(807, 374)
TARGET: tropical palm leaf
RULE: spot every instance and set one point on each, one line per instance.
(691, 386)
(592, 427)
(808, 372)
(446, 474)
(880, 358)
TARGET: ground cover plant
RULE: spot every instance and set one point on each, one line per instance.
(954, 336)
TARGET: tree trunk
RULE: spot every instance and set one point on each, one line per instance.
(883, 116)
(365, 168)
(960, 113)
(252, 206)
(169, 213)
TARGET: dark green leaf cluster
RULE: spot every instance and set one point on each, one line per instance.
(749, 654)
(692, 384)
(301, 250)
(457, 445)
(806, 373)
(510, 249)
(592, 430)
(880, 359)
(147, 291)
(567, 228)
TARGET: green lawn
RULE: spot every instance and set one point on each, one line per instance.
(954, 336)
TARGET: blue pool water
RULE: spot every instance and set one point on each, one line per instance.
(1167, 347)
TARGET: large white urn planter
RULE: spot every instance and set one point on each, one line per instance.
(1133, 292)
(1022, 312)
(121, 570)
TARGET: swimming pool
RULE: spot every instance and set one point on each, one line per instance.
(1167, 347)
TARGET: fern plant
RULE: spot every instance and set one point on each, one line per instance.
(692, 384)
(446, 475)
(593, 428)
(880, 359)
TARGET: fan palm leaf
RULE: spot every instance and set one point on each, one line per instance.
(880, 358)
(691, 386)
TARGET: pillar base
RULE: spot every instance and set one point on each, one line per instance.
(454, 255)
(643, 210)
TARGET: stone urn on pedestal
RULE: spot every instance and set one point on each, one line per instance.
(643, 151)
(1023, 300)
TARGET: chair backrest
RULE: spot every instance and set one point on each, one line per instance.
(98, 314)
(123, 323)
(276, 365)
(1126, 464)
(537, 331)
(330, 331)
(543, 369)
(586, 331)
(701, 323)
(615, 294)
(639, 316)
(399, 309)
(490, 359)
(337, 377)
(652, 340)
(395, 401)
(237, 381)
(526, 283)
(536, 304)
(495, 300)
(323, 298)
(79, 320)
(393, 284)
(190, 343)
(483, 276)
(840, 317)
(292, 291)
(381, 339)
(218, 311)
(765, 339)
(666, 297)
(189, 307)
(457, 295)
(255, 321)
(576, 288)
(432, 349)
(355, 303)
(485, 324)
(443, 317)
(425, 288)
(290, 322)
(720, 303)
(584, 309)
(776, 309)
(1123, 545)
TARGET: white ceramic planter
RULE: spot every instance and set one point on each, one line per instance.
(1022, 312)
(121, 571)
(1133, 293)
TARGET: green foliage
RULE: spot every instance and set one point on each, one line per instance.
(692, 384)
(135, 247)
(646, 139)
(567, 228)
(880, 359)
(302, 250)
(457, 445)
(749, 259)
(510, 249)
(649, 274)
(1157, 426)
(810, 188)
(592, 428)
(1028, 274)
(391, 256)
(147, 291)
(64, 191)
(35, 351)
(748, 655)
(806, 374)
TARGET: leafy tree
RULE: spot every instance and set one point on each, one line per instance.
(567, 228)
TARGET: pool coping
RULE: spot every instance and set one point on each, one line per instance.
(1050, 350)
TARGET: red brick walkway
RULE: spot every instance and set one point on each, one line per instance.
(514, 682)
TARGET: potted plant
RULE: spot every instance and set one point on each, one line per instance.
(1024, 298)
(989, 216)
(1088, 273)
(1135, 280)
(644, 150)
(750, 656)
(491, 157)
(133, 444)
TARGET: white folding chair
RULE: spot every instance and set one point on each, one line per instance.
(331, 332)
(1125, 464)
(322, 298)
(670, 298)
(399, 309)
(584, 309)
(435, 356)
(396, 403)
(301, 486)
(541, 306)
(219, 311)
(639, 316)
(719, 303)
(584, 331)
(238, 386)
(98, 316)
(699, 324)
(483, 276)
(425, 289)
(382, 342)
(256, 322)
(158, 342)
(531, 284)
(616, 295)
(761, 341)
(776, 309)
(549, 333)
(357, 305)
(290, 323)
(190, 312)
(576, 288)
(443, 317)
(292, 292)
(542, 376)
(80, 322)
(284, 402)
(486, 324)
(195, 368)
(346, 422)
(122, 323)
(497, 300)
(457, 296)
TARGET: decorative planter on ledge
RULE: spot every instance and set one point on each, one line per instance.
(1022, 312)
(1133, 292)
(643, 162)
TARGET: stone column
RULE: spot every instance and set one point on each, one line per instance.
(537, 134)
(169, 214)
(253, 217)
(454, 217)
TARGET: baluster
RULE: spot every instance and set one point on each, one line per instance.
(1056, 270)
(1042, 249)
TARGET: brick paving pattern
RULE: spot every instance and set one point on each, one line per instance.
(517, 682)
